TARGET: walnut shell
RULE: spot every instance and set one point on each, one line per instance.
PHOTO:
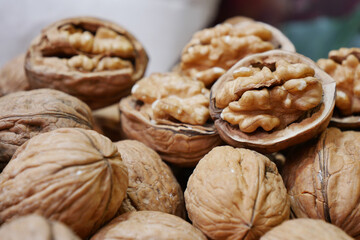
(25, 114)
(72, 175)
(35, 227)
(152, 185)
(93, 59)
(322, 179)
(148, 225)
(296, 119)
(12, 76)
(304, 229)
(236, 193)
(107, 121)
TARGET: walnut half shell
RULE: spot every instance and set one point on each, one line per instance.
(272, 100)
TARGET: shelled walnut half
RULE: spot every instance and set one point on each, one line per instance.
(169, 113)
(212, 51)
(344, 66)
(271, 101)
(93, 59)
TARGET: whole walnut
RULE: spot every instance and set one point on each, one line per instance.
(35, 227)
(25, 114)
(322, 179)
(12, 76)
(305, 229)
(93, 59)
(72, 175)
(236, 193)
(152, 185)
(145, 225)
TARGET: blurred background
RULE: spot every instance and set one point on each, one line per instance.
(165, 26)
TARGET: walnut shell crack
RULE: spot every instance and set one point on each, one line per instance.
(71, 175)
(93, 59)
(287, 99)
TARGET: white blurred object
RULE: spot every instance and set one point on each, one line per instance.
(163, 26)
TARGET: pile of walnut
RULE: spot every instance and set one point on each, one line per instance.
(233, 143)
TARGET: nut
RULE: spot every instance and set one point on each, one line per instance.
(72, 175)
(107, 122)
(343, 66)
(36, 227)
(211, 52)
(236, 193)
(169, 113)
(92, 59)
(271, 101)
(12, 76)
(26, 114)
(322, 179)
(148, 225)
(304, 229)
(152, 185)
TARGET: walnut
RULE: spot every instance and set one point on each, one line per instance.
(344, 66)
(212, 51)
(304, 229)
(27, 113)
(72, 175)
(148, 225)
(152, 185)
(12, 76)
(33, 227)
(169, 113)
(92, 59)
(271, 101)
(107, 122)
(322, 179)
(236, 193)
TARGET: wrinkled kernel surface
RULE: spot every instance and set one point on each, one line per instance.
(343, 66)
(213, 51)
(173, 96)
(262, 98)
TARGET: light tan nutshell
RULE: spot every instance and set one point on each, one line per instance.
(144, 225)
(25, 114)
(322, 178)
(152, 185)
(169, 113)
(35, 227)
(93, 59)
(236, 193)
(212, 51)
(12, 76)
(306, 229)
(71, 175)
(273, 100)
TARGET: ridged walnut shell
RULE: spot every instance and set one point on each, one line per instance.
(49, 62)
(71, 175)
(178, 143)
(152, 185)
(322, 178)
(12, 76)
(25, 114)
(236, 193)
(148, 225)
(35, 227)
(309, 125)
(305, 229)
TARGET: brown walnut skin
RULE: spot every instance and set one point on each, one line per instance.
(322, 179)
(71, 175)
(35, 227)
(45, 69)
(305, 229)
(236, 193)
(12, 76)
(144, 225)
(296, 132)
(25, 114)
